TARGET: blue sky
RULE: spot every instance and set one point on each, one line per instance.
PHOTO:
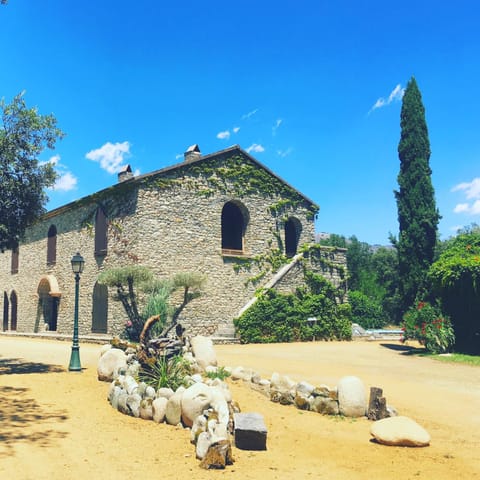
(311, 88)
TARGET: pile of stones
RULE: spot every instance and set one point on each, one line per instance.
(206, 407)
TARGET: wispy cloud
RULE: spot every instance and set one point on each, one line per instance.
(471, 191)
(236, 129)
(249, 114)
(110, 156)
(255, 148)
(395, 95)
(275, 127)
(65, 181)
(223, 135)
(285, 153)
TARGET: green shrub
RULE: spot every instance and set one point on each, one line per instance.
(170, 373)
(366, 311)
(430, 327)
(277, 317)
(222, 373)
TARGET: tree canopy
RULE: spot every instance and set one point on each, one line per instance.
(418, 216)
(24, 135)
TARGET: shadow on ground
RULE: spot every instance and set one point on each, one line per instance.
(17, 366)
(403, 349)
(22, 419)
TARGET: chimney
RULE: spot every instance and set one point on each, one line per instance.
(192, 153)
(125, 174)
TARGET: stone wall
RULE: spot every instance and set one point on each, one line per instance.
(169, 222)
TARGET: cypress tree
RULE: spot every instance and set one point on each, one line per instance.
(418, 216)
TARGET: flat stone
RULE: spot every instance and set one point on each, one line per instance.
(250, 431)
(400, 431)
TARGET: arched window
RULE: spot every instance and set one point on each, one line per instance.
(100, 308)
(293, 229)
(52, 245)
(233, 228)
(13, 310)
(101, 238)
(6, 308)
(14, 264)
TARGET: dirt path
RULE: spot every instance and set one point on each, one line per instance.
(58, 425)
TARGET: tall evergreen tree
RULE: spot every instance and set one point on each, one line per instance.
(417, 212)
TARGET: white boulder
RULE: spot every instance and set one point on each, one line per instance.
(202, 348)
(400, 431)
(195, 400)
(352, 398)
(110, 363)
(159, 409)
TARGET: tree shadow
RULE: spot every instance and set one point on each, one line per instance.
(17, 366)
(22, 419)
(403, 349)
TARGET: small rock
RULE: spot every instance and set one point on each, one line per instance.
(219, 455)
(165, 392)
(173, 412)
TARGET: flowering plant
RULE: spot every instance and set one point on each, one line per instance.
(427, 324)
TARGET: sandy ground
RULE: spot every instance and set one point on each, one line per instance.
(56, 424)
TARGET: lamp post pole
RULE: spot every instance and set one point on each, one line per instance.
(77, 266)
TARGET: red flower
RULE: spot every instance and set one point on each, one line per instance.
(420, 305)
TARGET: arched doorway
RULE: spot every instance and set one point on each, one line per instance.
(13, 310)
(6, 309)
(48, 302)
(100, 308)
(292, 235)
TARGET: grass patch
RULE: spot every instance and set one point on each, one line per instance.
(458, 358)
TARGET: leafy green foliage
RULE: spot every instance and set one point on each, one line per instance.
(430, 327)
(24, 135)
(166, 373)
(418, 216)
(277, 317)
(456, 280)
(221, 372)
(366, 311)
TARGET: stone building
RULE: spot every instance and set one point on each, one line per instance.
(223, 214)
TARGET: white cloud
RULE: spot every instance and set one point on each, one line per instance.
(178, 156)
(249, 114)
(461, 207)
(275, 127)
(236, 129)
(285, 153)
(110, 156)
(65, 182)
(471, 191)
(256, 148)
(395, 95)
(223, 135)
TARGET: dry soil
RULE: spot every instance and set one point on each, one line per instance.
(56, 424)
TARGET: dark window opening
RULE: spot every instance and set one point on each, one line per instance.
(52, 245)
(233, 227)
(14, 264)
(13, 310)
(101, 237)
(6, 308)
(292, 235)
(100, 308)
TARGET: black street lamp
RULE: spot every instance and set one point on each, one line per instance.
(77, 266)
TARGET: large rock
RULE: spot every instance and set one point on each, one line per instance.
(324, 405)
(159, 409)
(173, 413)
(352, 399)
(400, 431)
(195, 400)
(203, 351)
(110, 363)
(250, 431)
